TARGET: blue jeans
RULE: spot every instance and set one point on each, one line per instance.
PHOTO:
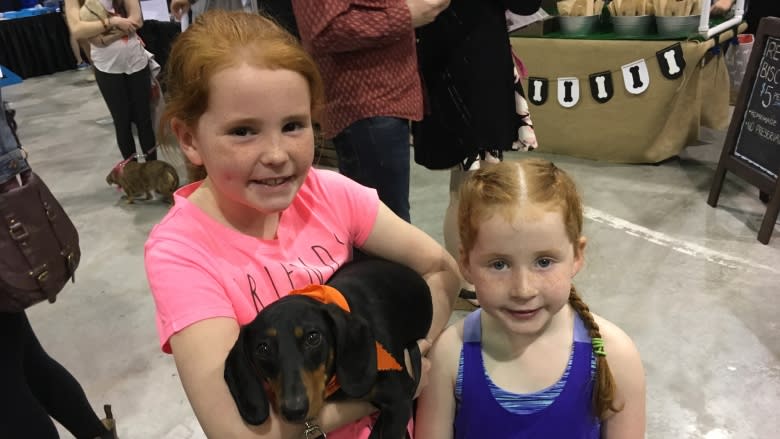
(12, 159)
(375, 152)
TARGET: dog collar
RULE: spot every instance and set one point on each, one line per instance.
(329, 295)
(119, 167)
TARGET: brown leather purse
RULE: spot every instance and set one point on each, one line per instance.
(39, 245)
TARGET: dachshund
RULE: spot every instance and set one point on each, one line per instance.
(140, 179)
(306, 348)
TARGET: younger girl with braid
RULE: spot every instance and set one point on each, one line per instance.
(533, 362)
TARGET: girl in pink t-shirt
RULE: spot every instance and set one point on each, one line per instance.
(259, 221)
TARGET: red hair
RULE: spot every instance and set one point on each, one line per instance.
(221, 39)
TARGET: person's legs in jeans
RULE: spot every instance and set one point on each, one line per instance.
(35, 386)
(116, 93)
(140, 86)
(375, 152)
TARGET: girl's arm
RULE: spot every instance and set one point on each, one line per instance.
(134, 13)
(88, 29)
(396, 240)
(436, 404)
(626, 367)
(200, 351)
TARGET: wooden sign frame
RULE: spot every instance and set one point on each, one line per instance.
(729, 161)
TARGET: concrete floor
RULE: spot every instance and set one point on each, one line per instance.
(691, 284)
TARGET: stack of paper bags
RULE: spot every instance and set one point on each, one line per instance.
(630, 8)
(579, 8)
(677, 8)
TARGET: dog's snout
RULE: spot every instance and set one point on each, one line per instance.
(295, 409)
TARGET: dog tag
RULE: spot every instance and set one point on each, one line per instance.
(313, 431)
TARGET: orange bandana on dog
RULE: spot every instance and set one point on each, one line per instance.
(327, 294)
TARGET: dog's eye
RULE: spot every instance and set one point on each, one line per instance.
(263, 349)
(313, 339)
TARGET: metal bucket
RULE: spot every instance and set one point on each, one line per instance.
(579, 25)
(627, 26)
(677, 27)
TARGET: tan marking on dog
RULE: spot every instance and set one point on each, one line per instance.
(331, 358)
(271, 332)
(314, 381)
(298, 332)
(275, 386)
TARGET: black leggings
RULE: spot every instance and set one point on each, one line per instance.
(128, 100)
(34, 386)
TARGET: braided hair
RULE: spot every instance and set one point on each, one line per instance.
(604, 388)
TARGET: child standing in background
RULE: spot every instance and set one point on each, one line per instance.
(532, 363)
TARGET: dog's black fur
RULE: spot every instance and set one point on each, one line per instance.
(389, 303)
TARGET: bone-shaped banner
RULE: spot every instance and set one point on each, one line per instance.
(671, 61)
(537, 90)
(636, 77)
(601, 87)
(568, 92)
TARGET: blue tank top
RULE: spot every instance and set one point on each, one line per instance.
(570, 416)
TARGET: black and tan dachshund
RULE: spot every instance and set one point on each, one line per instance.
(306, 347)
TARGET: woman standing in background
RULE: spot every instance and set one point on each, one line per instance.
(121, 69)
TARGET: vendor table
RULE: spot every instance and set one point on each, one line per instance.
(629, 128)
(37, 45)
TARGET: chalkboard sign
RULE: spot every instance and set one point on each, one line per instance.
(752, 146)
(759, 139)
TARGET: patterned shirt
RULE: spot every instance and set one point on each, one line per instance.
(366, 52)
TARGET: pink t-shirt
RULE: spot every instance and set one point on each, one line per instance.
(198, 268)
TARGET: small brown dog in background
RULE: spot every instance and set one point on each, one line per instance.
(140, 179)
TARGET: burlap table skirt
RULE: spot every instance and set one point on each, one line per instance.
(645, 128)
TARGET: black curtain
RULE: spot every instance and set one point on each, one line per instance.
(35, 46)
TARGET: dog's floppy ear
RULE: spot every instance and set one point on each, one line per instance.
(355, 352)
(245, 384)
